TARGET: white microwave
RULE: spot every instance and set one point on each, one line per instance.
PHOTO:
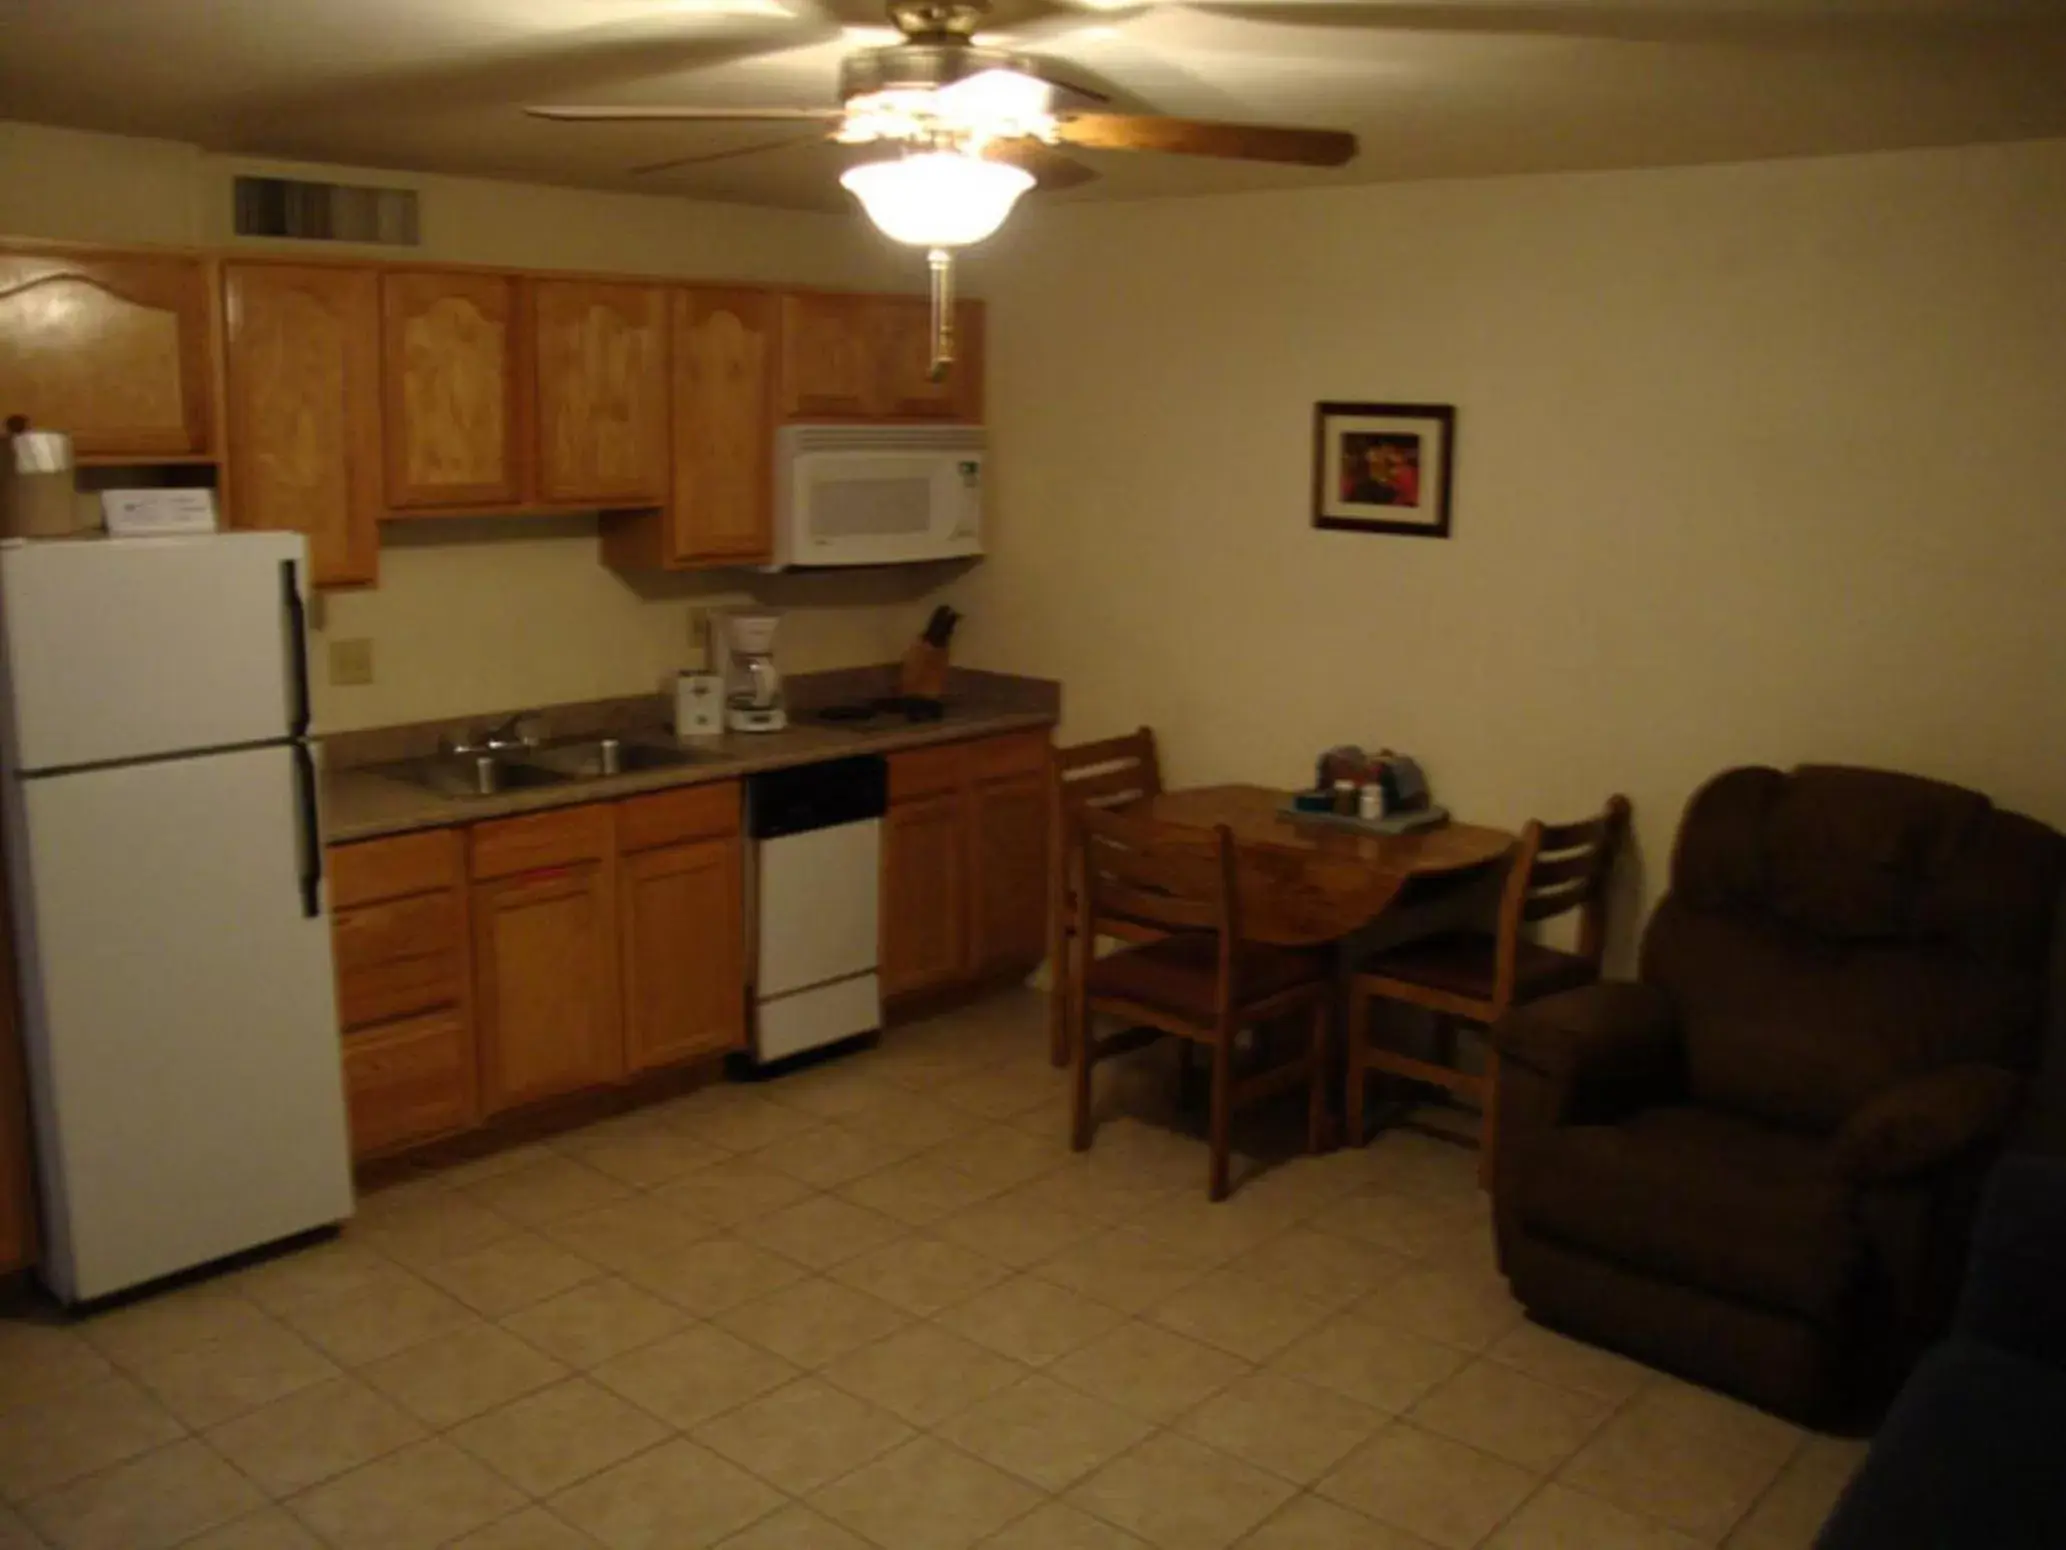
(877, 494)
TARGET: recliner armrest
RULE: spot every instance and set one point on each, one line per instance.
(1922, 1124)
(1607, 1047)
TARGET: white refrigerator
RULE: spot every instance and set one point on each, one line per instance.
(165, 866)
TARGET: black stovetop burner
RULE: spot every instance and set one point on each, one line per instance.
(908, 706)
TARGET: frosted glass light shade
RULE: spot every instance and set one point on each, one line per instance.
(937, 199)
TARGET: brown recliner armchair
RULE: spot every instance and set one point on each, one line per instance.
(1758, 1165)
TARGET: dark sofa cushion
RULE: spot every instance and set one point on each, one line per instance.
(1700, 1196)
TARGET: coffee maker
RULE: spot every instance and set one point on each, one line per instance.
(742, 653)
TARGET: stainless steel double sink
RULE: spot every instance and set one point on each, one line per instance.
(475, 773)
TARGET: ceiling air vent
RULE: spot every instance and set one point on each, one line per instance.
(326, 212)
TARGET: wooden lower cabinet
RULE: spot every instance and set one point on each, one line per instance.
(925, 894)
(964, 879)
(409, 1081)
(684, 950)
(1008, 824)
(404, 999)
(545, 983)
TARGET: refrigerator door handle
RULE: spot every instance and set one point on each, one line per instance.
(309, 834)
(297, 649)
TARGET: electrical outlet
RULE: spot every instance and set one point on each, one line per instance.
(351, 662)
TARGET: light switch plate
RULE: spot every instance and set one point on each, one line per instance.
(351, 662)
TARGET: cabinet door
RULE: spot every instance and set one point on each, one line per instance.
(449, 369)
(829, 357)
(1008, 840)
(723, 501)
(684, 947)
(112, 349)
(409, 1081)
(925, 893)
(545, 984)
(904, 360)
(601, 352)
(303, 445)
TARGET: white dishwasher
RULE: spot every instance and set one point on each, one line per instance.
(815, 871)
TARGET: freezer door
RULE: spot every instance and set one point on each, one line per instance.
(133, 648)
(819, 896)
(180, 1016)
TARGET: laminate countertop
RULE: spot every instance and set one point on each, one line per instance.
(364, 796)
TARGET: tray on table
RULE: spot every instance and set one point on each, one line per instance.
(1430, 817)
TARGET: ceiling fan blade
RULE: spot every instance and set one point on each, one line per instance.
(1052, 171)
(1197, 137)
(660, 115)
(701, 158)
(1056, 74)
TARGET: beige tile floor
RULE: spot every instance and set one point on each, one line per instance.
(881, 1304)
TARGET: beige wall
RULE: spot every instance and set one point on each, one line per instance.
(1755, 463)
(477, 617)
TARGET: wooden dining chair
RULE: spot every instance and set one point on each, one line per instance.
(1199, 982)
(1114, 772)
(1474, 977)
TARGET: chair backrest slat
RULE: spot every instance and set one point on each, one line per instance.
(1114, 787)
(1558, 868)
(1155, 875)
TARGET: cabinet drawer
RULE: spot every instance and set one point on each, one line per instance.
(560, 838)
(1015, 753)
(408, 1081)
(924, 772)
(685, 813)
(399, 928)
(381, 992)
(393, 868)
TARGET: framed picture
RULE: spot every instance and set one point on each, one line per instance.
(1383, 468)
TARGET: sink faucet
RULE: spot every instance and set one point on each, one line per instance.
(511, 735)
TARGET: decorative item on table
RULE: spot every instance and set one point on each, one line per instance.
(1383, 468)
(1380, 793)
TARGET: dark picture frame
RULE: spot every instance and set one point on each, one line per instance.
(1384, 468)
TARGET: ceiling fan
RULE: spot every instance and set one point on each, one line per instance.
(973, 128)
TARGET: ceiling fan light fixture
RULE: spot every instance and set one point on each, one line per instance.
(937, 199)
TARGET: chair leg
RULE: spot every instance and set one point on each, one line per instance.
(1316, 1082)
(1060, 970)
(1488, 1126)
(1222, 1124)
(1355, 1080)
(1084, 1053)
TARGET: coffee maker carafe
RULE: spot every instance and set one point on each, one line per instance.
(743, 653)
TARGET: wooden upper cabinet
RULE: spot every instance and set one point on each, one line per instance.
(113, 349)
(303, 443)
(829, 365)
(904, 354)
(450, 368)
(601, 361)
(723, 501)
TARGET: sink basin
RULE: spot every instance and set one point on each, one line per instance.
(598, 757)
(476, 775)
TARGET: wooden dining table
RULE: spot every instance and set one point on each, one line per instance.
(1305, 883)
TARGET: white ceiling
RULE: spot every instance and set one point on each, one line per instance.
(1434, 87)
